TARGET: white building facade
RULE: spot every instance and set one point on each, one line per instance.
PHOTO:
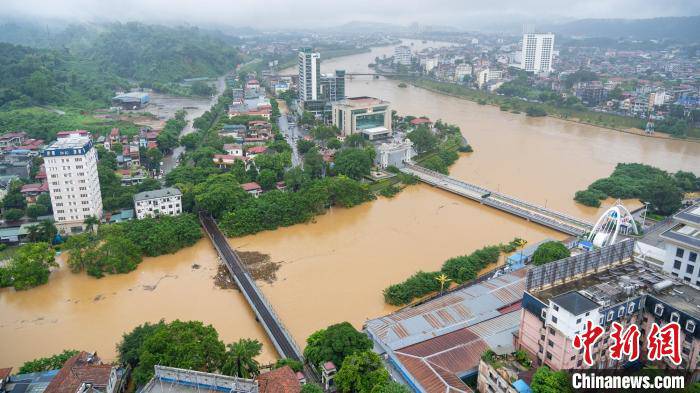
(74, 186)
(309, 74)
(683, 246)
(402, 55)
(163, 202)
(537, 52)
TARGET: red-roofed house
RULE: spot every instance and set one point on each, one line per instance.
(84, 372)
(281, 380)
(12, 138)
(4, 377)
(33, 190)
(252, 188)
(253, 83)
(419, 121)
(327, 374)
(253, 151)
(41, 175)
(227, 160)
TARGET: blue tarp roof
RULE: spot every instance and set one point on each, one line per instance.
(521, 386)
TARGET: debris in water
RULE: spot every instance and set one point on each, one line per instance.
(195, 266)
(259, 265)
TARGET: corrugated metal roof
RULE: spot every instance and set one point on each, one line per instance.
(455, 310)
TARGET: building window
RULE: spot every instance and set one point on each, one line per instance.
(680, 252)
(630, 308)
(554, 319)
(674, 317)
(611, 314)
(620, 312)
(550, 343)
(659, 309)
(690, 326)
(693, 256)
(677, 264)
(556, 308)
(543, 313)
(578, 321)
(549, 355)
(689, 269)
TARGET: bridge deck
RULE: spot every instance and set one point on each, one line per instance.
(543, 216)
(281, 339)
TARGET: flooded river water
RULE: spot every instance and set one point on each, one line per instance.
(335, 268)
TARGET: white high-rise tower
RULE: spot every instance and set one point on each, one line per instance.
(537, 52)
(309, 74)
(74, 186)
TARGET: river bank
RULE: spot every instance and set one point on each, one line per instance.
(498, 101)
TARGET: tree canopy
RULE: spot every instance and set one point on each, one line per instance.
(549, 252)
(335, 343)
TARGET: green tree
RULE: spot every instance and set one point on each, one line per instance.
(129, 348)
(304, 146)
(30, 265)
(549, 252)
(190, 345)
(114, 255)
(239, 360)
(355, 140)
(664, 195)
(267, 179)
(13, 214)
(36, 210)
(44, 200)
(547, 381)
(423, 139)
(219, 194)
(295, 365)
(361, 372)
(334, 143)
(81, 250)
(201, 88)
(47, 363)
(311, 388)
(353, 163)
(335, 343)
(313, 163)
(90, 223)
(391, 387)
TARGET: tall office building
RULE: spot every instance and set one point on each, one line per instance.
(333, 86)
(537, 52)
(309, 74)
(74, 186)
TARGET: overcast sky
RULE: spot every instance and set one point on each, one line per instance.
(305, 13)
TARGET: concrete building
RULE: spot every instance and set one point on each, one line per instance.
(537, 52)
(333, 86)
(402, 55)
(505, 375)
(462, 70)
(487, 76)
(355, 114)
(309, 85)
(74, 186)
(430, 63)
(163, 202)
(682, 245)
(132, 100)
(591, 93)
(395, 153)
(588, 288)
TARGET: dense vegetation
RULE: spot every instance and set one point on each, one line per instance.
(662, 190)
(34, 77)
(544, 380)
(335, 343)
(458, 270)
(29, 267)
(119, 248)
(549, 252)
(190, 345)
(47, 363)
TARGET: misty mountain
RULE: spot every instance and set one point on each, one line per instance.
(673, 28)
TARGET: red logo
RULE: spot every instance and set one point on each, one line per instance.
(587, 339)
(626, 343)
(665, 342)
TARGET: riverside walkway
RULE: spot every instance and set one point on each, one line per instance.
(280, 337)
(538, 214)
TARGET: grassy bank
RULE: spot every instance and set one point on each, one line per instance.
(514, 105)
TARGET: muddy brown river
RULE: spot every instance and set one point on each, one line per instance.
(335, 268)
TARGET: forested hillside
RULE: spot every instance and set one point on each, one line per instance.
(84, 70)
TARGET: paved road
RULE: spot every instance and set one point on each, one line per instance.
(290, 132)
(278, 336)
(171, 161)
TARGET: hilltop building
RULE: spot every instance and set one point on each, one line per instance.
(74, 186)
